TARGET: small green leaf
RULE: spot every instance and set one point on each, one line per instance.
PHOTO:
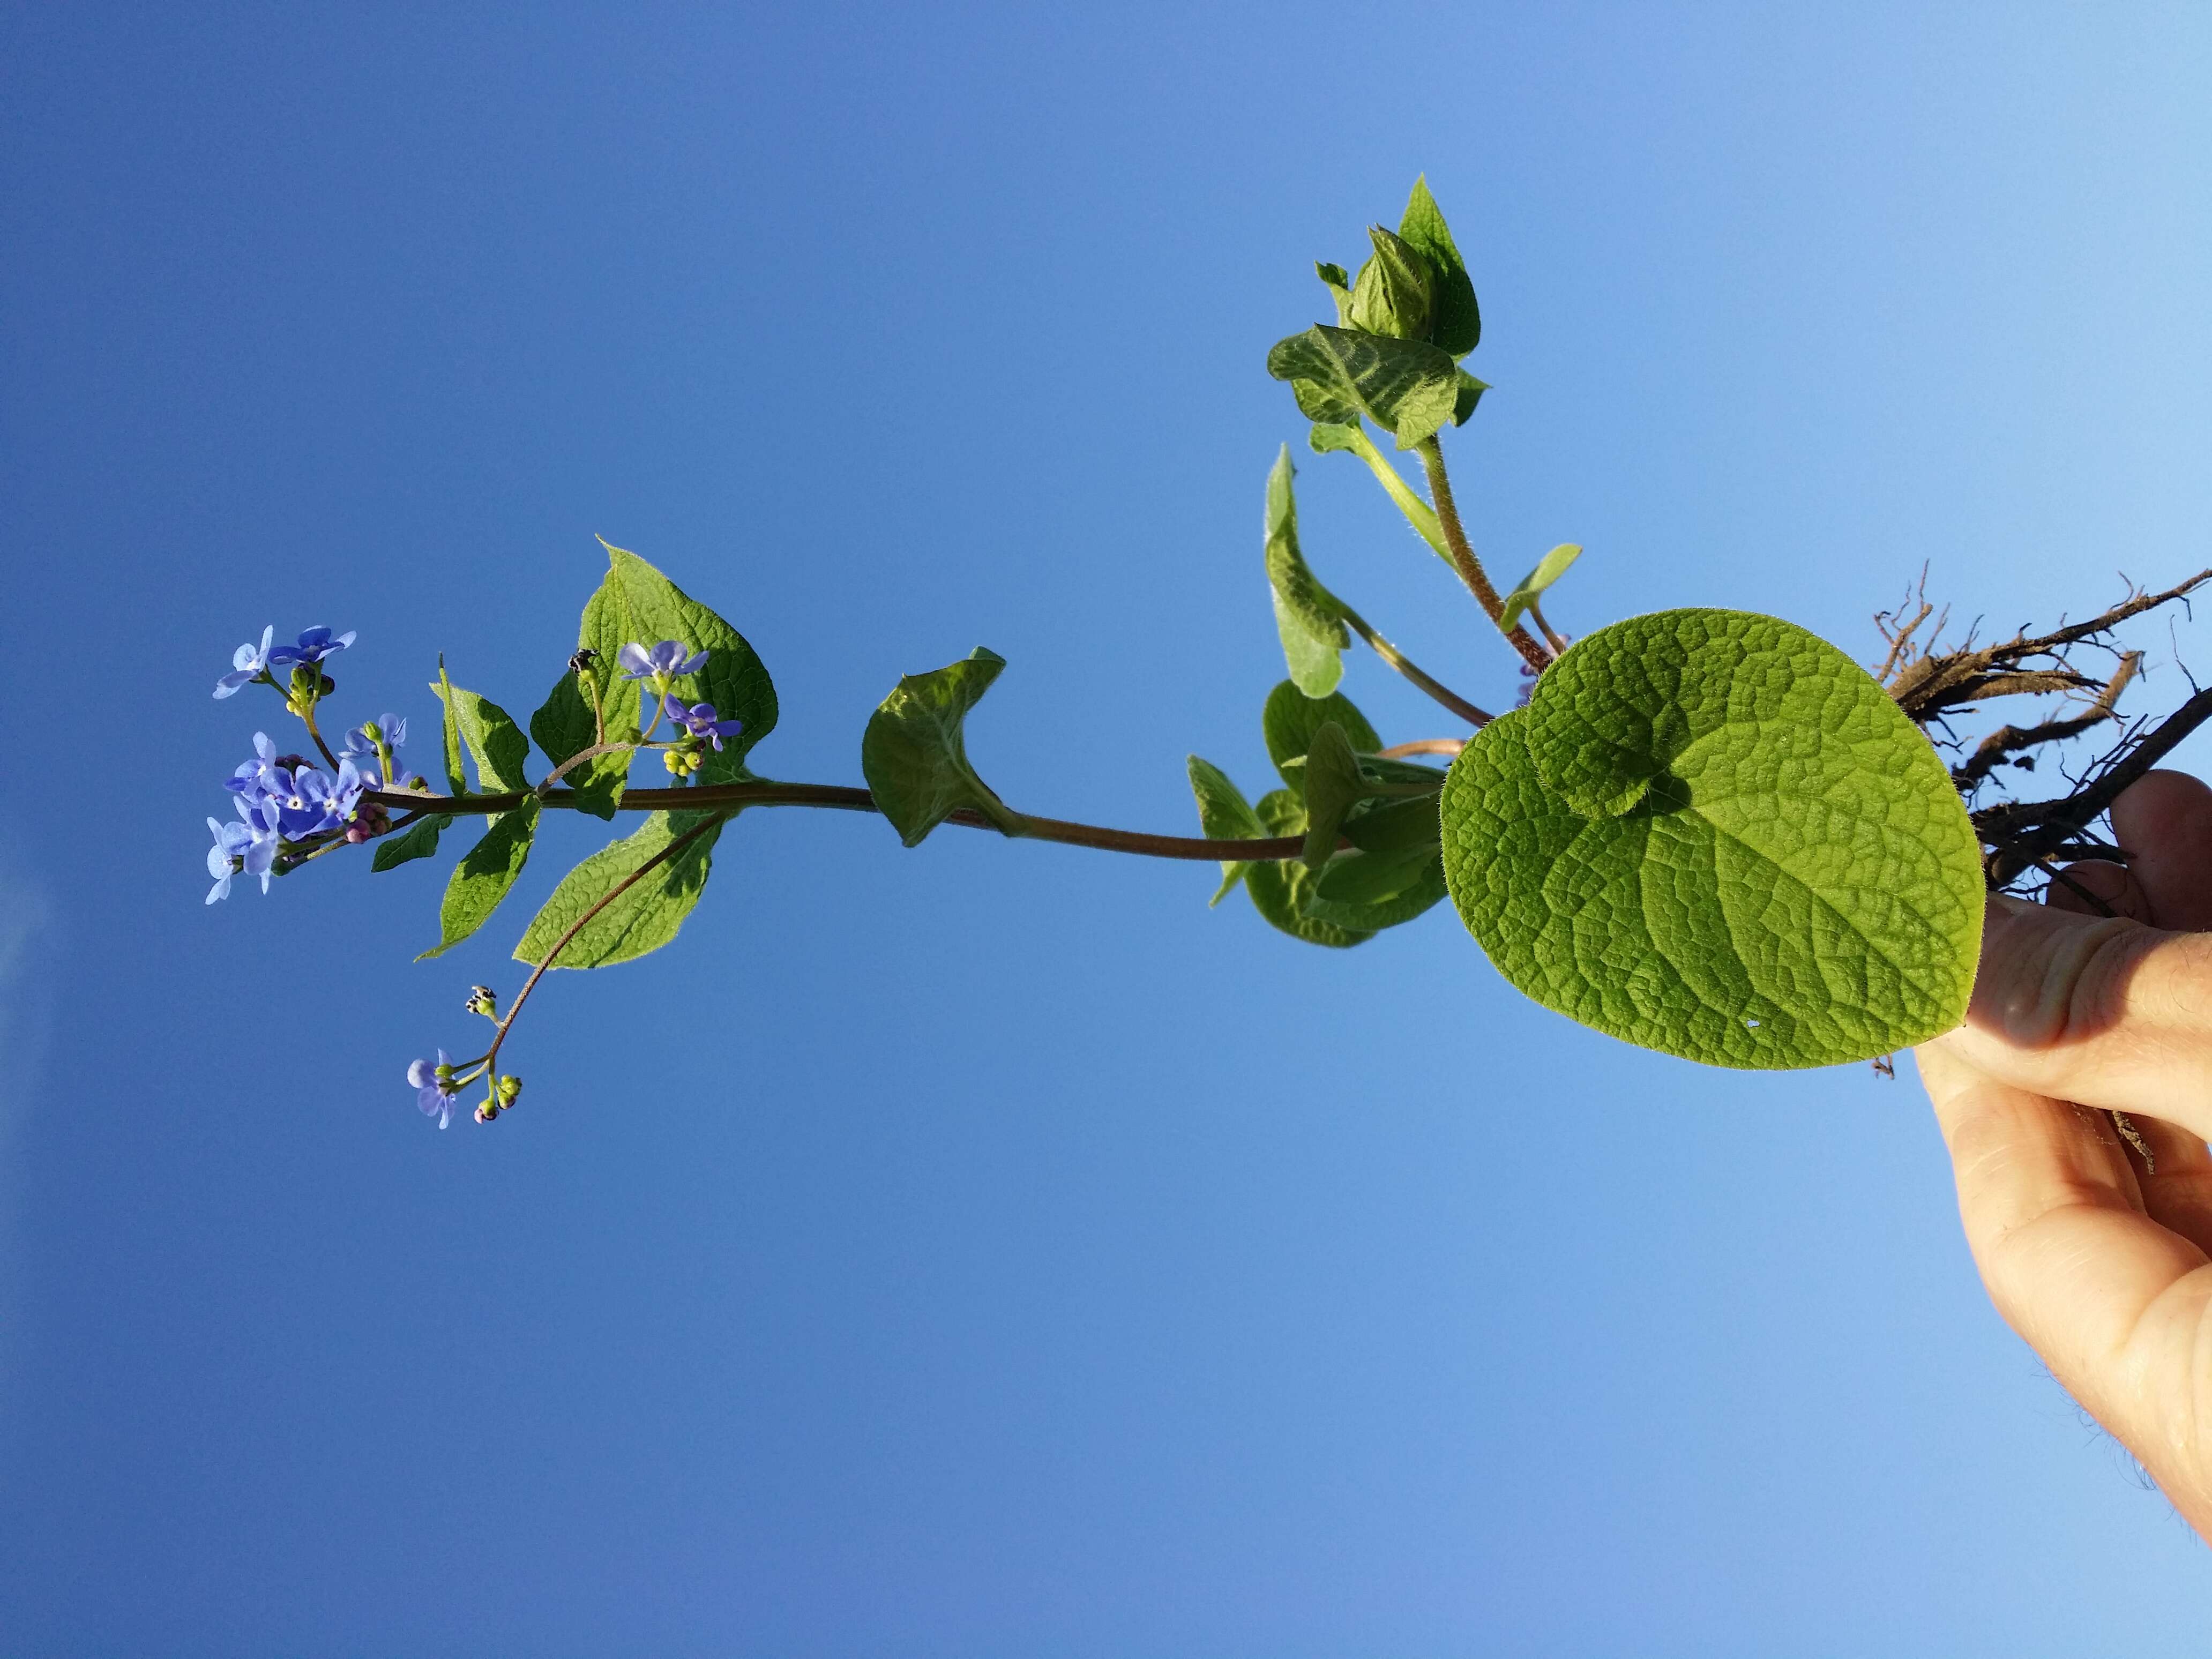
(1309, 618)
(1280, 889)
(1713, 833)
(1370, 891)
(915, 754)
(569, 721)
(1530, 588)
(1327, 439)
(419, 840)
(1395, 826)
(645, 608)
(1332, 787)
(1395, 291)
(1340, 290)
(642, 918)
(493, 740)
(1469, 394)
(1457, 324)
(1407, 387)
(1222, 815)
(482, 876)
(1290, 718)
(455, 783)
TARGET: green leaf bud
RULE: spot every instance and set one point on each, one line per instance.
(1394, 293)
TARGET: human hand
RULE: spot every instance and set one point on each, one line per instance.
(2100, 1263)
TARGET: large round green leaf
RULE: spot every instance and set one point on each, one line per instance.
(1713, 833)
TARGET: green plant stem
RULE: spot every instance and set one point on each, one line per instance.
(499, 1037)
(1551, 635)
(307, 717)
(843, 797)
(1463, 559)
(1419, 512)
(1406, 665)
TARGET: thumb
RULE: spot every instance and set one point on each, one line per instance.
(2100, 1010)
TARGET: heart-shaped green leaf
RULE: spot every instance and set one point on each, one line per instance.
(1288, 720)
(1714, 834)
(640, 918)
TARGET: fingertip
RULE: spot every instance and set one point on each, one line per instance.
(2164, 819)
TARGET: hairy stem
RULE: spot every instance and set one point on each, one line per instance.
(1419, 512)
(1406, 665)
(1463, 560)
(844, 798)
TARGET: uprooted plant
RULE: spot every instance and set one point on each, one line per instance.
(1705, 831)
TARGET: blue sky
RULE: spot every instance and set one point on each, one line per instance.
(985, 1248)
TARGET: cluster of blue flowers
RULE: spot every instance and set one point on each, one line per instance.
(284, 798)
(289, 809)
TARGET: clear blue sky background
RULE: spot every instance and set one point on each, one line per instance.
(985, 1249)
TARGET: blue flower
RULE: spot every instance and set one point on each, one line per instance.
(252, 842)
(433, 1084)
(315, 644)
(307, 799)
(699, 721)
(361, 745)
(257, 777)
(248, 664)
(663, 662)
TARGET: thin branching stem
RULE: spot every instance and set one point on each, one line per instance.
(1406, 665)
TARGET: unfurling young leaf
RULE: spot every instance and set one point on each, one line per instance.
(1394, 293)
(1469, 393)
(1407, 387)
(1456, 322)
(1340, 290)
(455, 783)
(493, 740)
(1530, 588)
(1310, 617)
(1713, 833)
(1222, 815)
(914, 755)
(645, 916)
(1288, 720)
(418, 840)
(482, 876)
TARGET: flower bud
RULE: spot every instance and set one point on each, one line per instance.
(673, 760)
(486, 1111)
(482, 1001)
(509, 1089)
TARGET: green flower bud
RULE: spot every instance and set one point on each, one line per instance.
(510, 1088)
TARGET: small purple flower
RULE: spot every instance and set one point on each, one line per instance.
(315, 644)
(435, 1095)
(252, 841)
(248, 664)
(663, 662)
(699, 721)
(1529, 677)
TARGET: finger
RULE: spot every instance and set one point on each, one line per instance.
(2113, 1301)
(2105, 1011)
(2098, 889)
(2164, 820)
(2176, 1187)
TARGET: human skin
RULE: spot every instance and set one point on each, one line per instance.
(2103, 1267)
